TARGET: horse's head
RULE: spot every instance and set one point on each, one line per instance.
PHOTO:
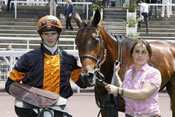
(90, 46)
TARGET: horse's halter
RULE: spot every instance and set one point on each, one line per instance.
(101, 55)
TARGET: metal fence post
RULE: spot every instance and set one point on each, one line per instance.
(87, 11)
(52, 6)
(15, 8)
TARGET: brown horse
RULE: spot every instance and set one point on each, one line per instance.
(99, 49)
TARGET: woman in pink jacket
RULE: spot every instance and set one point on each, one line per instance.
(141, 84)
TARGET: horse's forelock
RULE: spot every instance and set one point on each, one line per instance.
(85, 32)
(86, 38)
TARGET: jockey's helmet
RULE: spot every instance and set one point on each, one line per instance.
(49, 23)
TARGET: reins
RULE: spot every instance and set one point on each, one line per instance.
(99, 63)
(103, 102)
(100, 99)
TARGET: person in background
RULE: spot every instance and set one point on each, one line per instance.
(68, 11)
(141, 83)
(144, 11)
(166, 8)
(106, 3)
(48, 67)
(8, 5)
(153, 9)
(1, 3)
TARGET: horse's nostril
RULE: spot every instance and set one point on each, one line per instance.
(87, 79)
(90, 74)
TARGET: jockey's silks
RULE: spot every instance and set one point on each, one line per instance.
(51, 80)
(50, 71)
(16, 75)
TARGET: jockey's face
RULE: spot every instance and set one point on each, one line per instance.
(140, 54)
(50, 38)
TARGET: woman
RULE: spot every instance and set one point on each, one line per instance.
(141, 84)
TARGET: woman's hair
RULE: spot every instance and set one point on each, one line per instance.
(147, 45)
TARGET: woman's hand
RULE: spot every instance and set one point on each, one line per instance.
(117, 80)
(117, 68)
(112, 89)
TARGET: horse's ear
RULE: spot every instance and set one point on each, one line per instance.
(96, 18)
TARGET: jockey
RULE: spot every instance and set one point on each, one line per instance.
(48, 67)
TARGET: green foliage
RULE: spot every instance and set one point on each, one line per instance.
(131, 22)
(97, 5)
(133, 36)
(132, 6)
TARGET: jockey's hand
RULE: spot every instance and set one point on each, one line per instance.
(112, 89)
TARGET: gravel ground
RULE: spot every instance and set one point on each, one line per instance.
(80, 105)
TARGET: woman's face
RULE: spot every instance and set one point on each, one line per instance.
(50, 38)
(140, 54)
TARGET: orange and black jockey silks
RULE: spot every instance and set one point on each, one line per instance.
(41, 69)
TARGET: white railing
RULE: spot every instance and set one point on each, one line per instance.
(159, 4)
(16, 3)
(11, 54)
(163, 5)
(80, 3)
(69, 42)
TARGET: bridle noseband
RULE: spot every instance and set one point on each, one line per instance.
(101, 56)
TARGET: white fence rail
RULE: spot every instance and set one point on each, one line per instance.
(28, 42)
(16, 3)
(161, 8)
(8, 56)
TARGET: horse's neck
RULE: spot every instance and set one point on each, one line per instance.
(110, 43)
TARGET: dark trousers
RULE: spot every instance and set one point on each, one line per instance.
(68, 23)
(8, 5)
(145, 15)
(23, 112)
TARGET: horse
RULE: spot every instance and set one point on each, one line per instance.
(99, 49)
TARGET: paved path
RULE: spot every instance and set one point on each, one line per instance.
(82, 105)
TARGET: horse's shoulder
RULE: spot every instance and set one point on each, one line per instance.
(162, 42)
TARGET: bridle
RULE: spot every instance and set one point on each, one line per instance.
(100, 78)
(100, 58)
(101, 55)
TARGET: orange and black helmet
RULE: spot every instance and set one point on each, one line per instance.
(49, 23)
